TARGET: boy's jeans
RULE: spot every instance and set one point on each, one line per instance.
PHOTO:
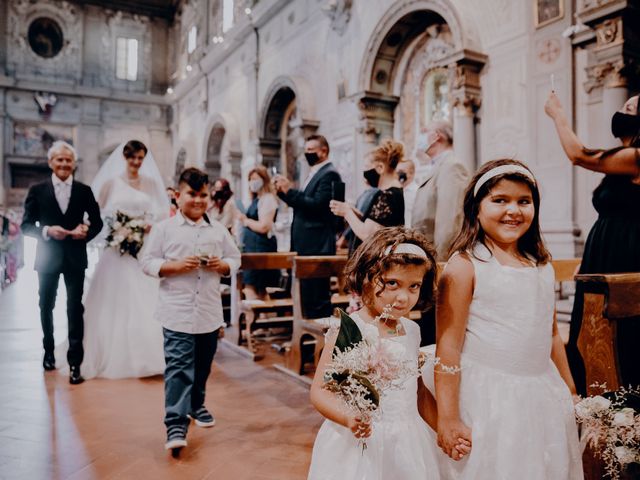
(188, 357)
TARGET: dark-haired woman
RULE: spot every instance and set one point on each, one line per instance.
(257, 236)
(223, 208)
(121, 337)
(613, 242)
(387, 208)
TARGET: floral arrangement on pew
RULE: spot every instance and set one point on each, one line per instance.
(610, 425)
(363, 368)
(126, 233)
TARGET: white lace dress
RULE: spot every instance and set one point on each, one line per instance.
(401, 447)
(121, 337)
(512, 397)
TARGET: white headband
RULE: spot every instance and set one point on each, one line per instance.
(410, 248)
(501, 170)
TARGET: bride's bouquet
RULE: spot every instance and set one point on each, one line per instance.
(610, 425)
(126, 233)
(363, 368)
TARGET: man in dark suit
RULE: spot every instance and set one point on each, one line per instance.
(54, 213)
(313, 231)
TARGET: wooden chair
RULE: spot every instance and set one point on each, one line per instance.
(248, 314)
(608, 300)
(307, 339)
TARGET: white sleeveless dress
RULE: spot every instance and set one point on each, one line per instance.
(512, 397)
(398, 448)
(121, 336)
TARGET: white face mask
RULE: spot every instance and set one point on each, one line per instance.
(255, 185)
(423, 143)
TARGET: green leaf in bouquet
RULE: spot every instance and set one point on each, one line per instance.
(349, 333)
(373, 395)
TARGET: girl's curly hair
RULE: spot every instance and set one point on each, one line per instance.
(368, 264)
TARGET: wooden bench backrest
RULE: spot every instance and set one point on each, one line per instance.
(267, 261)
(319, 266)
(608, 299)
(566, 268)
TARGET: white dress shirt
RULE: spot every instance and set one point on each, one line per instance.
(189, 302)
(62, 190)
(313, 171)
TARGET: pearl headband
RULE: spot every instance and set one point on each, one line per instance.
(501, 170)
(410, 248)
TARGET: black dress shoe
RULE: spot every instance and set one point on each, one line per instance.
(75, 378)
(49, 362)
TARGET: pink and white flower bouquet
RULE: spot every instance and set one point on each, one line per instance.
(126, 233)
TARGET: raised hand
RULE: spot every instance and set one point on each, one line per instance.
(552, 106)
(339, 208)
(281, 183)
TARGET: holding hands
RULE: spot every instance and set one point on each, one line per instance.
(454, 438)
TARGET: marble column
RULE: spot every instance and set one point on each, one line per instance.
(464, 137)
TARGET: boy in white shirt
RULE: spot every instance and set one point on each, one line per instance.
(189, 253)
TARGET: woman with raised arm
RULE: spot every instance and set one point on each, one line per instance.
(612, 244)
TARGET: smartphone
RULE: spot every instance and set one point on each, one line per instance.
(274, 171)
(337, 191)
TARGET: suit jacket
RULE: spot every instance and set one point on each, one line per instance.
(313, 231)
(437, 209)
(41, 209)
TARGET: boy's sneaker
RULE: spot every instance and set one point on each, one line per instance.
(202, 417)
(176, 438)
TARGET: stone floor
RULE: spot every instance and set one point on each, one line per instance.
(112, 429)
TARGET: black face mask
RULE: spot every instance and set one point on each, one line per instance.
(217, 195)
(402, 177)
(312, 158)
(372, 177)
(625, 125)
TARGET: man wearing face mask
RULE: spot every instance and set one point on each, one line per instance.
(612, 243)
(437, 208)
(313, 231)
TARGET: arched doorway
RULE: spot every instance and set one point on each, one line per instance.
(418, 67)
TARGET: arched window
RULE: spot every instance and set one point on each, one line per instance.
(436, 104)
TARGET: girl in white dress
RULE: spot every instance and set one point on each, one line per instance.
(503, 377)
(121, 337)
(393, 267)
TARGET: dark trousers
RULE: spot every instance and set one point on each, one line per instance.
(48, 289)
(188, 364)
(316, 297)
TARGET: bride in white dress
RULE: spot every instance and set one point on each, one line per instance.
(121, 337)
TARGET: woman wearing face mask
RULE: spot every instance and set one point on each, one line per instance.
(387, 208)
(612, 244)
(223, 208)
(257, 235)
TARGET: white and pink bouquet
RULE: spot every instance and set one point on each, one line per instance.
(363, 368)
(126, 233)
(610, 425)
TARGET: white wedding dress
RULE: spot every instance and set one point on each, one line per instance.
(401, 446)
(121, 336)
(519, 409)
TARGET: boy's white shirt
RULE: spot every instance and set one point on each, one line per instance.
(189, 302)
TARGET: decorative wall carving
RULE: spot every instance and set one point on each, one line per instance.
(606, 74)
(339, 11)
(609, 32)
(24, 63)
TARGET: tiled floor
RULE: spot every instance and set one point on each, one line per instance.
(112, 429)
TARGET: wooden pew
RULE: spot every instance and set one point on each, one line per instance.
(608, 300)
(308, 334)
(247, 314)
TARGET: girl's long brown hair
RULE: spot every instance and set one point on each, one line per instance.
(530, 245)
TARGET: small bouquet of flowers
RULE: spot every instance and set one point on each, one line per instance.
(610, 425)
(126, 233)
(363, 368)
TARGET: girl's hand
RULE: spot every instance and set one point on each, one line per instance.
(361, 428)
(552, 106)
(339, 208)
(453, 434)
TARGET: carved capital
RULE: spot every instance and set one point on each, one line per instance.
(609, 32)
(607, 74)
(464, 82)
(376, 115)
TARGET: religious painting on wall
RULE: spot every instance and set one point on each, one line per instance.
(436, 96)
(31, 140)
(547, 11)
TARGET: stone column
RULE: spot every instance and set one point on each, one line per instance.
(3, 165)
(464, 84)
(162, 151)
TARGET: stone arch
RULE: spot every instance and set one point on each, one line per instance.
(222, 149)
(181, 163)
(285, 122)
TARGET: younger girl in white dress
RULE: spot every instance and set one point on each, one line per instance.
(503, 377)
(393, 267)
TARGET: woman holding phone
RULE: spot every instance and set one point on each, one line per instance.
(257, 235)
(387, 207)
